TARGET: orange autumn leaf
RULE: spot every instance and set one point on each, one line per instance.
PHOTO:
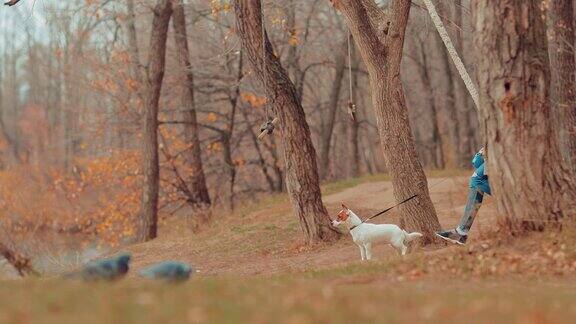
(212, 117)
(254, 100)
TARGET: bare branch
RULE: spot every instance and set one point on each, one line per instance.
(11, 2)
(21, 263)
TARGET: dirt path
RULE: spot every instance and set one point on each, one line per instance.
(268, 240)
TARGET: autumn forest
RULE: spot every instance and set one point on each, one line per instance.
(228, 134)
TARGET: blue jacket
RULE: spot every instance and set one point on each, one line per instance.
(479, 179)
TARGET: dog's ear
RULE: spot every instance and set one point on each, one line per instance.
(344, 206)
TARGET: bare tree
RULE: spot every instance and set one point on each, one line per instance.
(432, 143)
(464, 104)
(187, 114)
(530, 182)
(132, 36)
(446, 100)
(150, 160)
(327, 123)
(563, 71)
(380, 39)
(302, 178)
(5, 136)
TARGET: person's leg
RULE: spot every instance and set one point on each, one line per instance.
(460, 233)
(473, 204)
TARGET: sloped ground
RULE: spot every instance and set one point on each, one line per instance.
(254, 268)
(267, 240)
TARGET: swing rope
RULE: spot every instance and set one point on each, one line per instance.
(269, 125)
(264, 63)
(470, 86)
(351, 105)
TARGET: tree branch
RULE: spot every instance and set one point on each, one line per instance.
(11, 2)
(21, 263)
(362, 30)
(397, 20)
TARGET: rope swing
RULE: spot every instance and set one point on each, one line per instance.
(452, 52)
(351, 105)
(268, 126)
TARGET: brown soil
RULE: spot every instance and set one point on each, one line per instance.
(267, 240)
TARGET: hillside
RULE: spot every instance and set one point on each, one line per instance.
(265, 238)
(253, 267)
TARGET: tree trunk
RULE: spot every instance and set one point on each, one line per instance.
(187, 114)
(150, 161)
(261, 161)
(563, 71)
(301, 170)
(229, 166)
(354, 123)
(73, 106)
(433, 142)
(293, 57)
(448, 98)
(528, 178)
(135, 69)
(328, 126)
(464, 108)
(4, 135)
(382, 58)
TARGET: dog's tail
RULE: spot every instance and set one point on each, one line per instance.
(412, 236)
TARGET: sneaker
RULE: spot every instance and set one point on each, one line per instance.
(452, 236)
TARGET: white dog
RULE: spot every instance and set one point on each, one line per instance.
(364, 234)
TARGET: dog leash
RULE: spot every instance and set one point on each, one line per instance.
(385, 210)
(398, 204)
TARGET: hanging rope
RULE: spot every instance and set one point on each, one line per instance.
(268, 126)
(452, 52)
(351, 105)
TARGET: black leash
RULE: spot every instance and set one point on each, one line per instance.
(385, 210)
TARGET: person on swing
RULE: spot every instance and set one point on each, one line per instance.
(479, 186)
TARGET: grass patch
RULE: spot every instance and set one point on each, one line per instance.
(266, 300)
(271, 227)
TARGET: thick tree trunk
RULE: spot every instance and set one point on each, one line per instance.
(529, 180)
(382, 57)
(150, 161)
(302, 178)
(197, 180)
(327, 128)
(563, 71)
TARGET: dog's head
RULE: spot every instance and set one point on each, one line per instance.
(342, 216)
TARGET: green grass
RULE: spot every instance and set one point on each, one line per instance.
(286, 300)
